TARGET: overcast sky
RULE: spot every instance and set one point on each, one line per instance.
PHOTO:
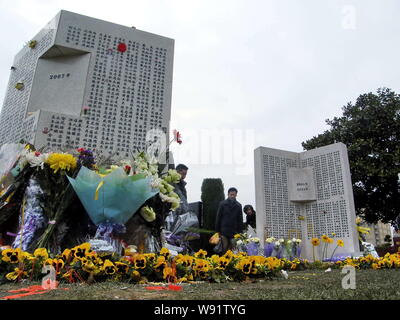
(247, 73)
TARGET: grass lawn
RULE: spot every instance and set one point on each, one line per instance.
(301, 285)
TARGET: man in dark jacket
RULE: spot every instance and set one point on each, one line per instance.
(181, 185)
(229, 219)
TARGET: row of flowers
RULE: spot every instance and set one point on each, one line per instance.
(81, 264)
(327, 241)
(140, 164)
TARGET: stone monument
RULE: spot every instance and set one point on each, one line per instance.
(306, 195)
(85, 82)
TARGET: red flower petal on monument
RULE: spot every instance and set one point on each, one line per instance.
(122, 47)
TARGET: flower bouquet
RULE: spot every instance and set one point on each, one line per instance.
(247, 244)
(278, 249)
(269, 246)
(111, 200)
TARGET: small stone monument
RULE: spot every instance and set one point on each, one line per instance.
(306, 195)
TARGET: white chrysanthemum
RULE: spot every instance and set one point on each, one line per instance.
(36, 160)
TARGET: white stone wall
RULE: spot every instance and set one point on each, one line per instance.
(76, 72)
(326, 203)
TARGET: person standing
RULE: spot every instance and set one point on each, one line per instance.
(181, 185)
(250, 216)
(229, 219)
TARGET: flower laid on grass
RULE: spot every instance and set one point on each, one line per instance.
(11, 255)
(81, 264)
(109, 268)
(201, 254)
(140, 261)
(17, 274)
(41, 253)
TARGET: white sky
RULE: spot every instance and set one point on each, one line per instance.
(273, 69)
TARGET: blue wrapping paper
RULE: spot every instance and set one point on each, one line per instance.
(119, 197)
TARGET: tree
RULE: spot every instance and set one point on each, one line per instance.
(212, 193)
(370, 128)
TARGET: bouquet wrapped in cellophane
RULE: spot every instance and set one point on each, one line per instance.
(57, 199)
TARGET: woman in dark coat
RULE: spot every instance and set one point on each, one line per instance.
(250, 216)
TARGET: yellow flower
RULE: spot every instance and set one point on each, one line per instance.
(237, 236)
(12, 255)
(214, 258)
(315, 242)
(340, 243)
(203, 273)
(122, 267)
(183, 279)
(57, 264)
(165, 252)
(82, 250)
(201, 254)
(16, 274)
(109, 267)
(41, 253)
(135, 275)
(229, 255)
(375, 266)
(66, 254)
(244, 265)
(273, 263)
(168, 272)
(151, 257)
(180, 259)
(189, 261)
(189, 277)
(61, 161)
(325, 238)
(201, 264)
(140, 261)
(90, 267)
(222, 263)
(160, 264)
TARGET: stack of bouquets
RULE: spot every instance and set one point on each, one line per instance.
(282, 248)
(39, 187)
(245, 243)
(43, 196)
